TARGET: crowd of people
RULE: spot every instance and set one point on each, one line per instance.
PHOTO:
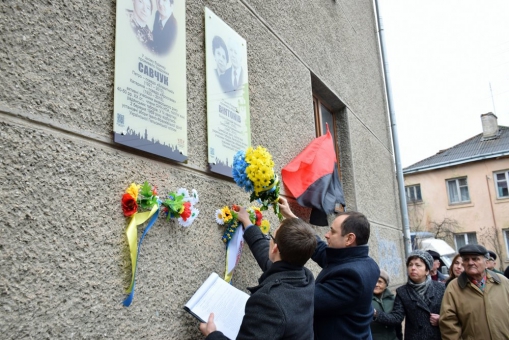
(351, 299)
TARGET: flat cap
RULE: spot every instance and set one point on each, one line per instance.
(473, 249)
(492, 254)
(434, 254)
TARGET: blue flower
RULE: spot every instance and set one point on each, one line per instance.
(239, 171)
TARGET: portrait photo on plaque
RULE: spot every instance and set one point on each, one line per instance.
(228, 119)
(150, 101)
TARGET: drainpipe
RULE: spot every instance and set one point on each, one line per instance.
(500, 267)
(491, 201)
(395, 140)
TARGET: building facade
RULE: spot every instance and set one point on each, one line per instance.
(63, 249)
(464, 191)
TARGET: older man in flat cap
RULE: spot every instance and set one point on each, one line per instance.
(434, 272)
(491, 263)
(476, 304)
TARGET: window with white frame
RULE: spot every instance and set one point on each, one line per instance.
(413, 193)
(458, 190)
(464, 239)
(501, 184)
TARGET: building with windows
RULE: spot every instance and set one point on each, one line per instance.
(464, 189)
(63, 251)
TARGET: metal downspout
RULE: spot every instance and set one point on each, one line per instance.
(395, 141)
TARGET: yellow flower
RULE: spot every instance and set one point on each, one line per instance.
(133, 190)
(265, 226)
(227, 215)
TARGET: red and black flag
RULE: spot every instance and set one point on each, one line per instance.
(312, 178)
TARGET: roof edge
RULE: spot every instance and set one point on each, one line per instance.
(457, 162)
(501, 127)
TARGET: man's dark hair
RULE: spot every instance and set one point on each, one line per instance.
(357, 224)
(218, 42)
(296, 241)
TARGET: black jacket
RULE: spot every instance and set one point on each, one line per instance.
(417, 311)
(281, 306)
(343, 292)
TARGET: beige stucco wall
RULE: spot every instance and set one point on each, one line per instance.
(63, 251)
(471, 216)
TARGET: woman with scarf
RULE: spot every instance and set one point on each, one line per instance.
(418, 301)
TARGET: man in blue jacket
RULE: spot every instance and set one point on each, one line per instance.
(344, 287)
(281, 306)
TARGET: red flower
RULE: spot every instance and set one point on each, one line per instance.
(187, 211)
(236, 208)
(129, 205)
(259, 217)
(154, 191)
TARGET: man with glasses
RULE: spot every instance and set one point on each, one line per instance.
(281, 306)
(344, 287)
(476, 304)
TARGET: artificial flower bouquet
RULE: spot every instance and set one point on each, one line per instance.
(233, 235)
(253, 170)
(229, 218)
(179, 204)
(141, 203)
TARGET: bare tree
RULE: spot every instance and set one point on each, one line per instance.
(416, 217)
(490, 236)
(445, 229)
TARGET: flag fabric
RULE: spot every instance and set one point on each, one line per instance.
(313, 179)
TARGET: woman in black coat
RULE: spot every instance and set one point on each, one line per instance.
(418, 300)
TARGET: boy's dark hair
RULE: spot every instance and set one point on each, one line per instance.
(357, 224)
(296, 241)
(218, 42)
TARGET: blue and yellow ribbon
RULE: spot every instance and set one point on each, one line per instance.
(134, 247)
(233, 252)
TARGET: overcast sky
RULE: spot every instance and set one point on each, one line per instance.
(442, 57)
